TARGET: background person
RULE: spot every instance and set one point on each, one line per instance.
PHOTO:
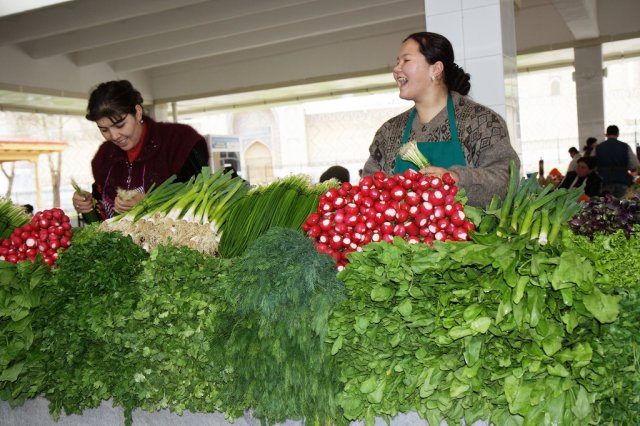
(585, 173)
(615, 160)
(137, 152)
(455, 133)
(575, 156)
(590, 147)
(341, 174)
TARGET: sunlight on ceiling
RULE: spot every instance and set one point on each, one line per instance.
(10, 7)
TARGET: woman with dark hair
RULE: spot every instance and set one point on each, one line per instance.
(584, 174)
(456, 134)
(137, 152)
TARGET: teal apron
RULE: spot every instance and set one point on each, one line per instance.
(439, 153)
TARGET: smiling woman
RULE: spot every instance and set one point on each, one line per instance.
(137, 152)
(456, 134)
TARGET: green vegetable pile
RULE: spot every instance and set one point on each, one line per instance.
(281, 293)
(175, 336)
(500, 332)
(12, 216)
(617, 348)
(529, 209)
(84, 331)
(25, 293)
(285, 203)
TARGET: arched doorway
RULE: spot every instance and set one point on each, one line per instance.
(258, 164)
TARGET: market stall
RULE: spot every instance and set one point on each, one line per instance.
(309, 310)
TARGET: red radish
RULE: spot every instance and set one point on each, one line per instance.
(412, 206)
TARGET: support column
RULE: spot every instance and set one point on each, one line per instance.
(589, 92)
(483, 36)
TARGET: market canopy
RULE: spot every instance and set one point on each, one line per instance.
(176, 50)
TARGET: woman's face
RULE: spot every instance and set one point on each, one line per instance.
(582, 169)
(412, 72)
(124, 133)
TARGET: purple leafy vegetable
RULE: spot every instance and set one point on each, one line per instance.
(606, 215)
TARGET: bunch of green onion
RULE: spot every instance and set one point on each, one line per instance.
(286, 203)
(542, 213)
(12, 216)
(206, 198)
(410, 152)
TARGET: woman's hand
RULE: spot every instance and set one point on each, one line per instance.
(121, 205)
(439, 171)
(83, 203)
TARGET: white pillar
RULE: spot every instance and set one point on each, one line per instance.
(483, 36)
(589, 92)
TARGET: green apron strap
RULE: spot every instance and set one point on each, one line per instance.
(440, 153)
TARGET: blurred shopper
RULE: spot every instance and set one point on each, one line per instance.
(575, 155)
(585, 173)
(615, 160)
(590, 147)
(338, 173)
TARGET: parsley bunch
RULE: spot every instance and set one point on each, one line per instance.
(95, 299)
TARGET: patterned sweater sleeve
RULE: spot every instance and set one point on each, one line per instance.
(488, 152)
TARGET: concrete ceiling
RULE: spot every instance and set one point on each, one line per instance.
(179, 50)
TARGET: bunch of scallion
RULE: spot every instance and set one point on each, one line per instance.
(285, 203)
(12, 216)
(206, 199)
(530, 209)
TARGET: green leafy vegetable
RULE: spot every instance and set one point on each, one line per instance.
(281, 293)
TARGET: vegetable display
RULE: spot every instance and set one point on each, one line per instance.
(284, 203)
(606, 215)
(280, 294)
(12, 216)
(499, 332)
(529, 209)
(26, 292)
(188, 214)
(502, 325)
(48, 233)
(411, 205)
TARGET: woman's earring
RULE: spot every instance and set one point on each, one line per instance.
(141, 121)
(433, 78)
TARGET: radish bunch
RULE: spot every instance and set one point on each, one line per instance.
(48, 232)
(413, 206)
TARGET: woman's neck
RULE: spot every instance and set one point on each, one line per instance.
(431, 105)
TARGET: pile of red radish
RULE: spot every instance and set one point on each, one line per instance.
(48, 232)
(413, 206)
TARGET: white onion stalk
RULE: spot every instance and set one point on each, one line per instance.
(410, 152)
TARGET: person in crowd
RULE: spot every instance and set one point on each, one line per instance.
(590, 147)
(137, 152)
(615, 160)
(456, 134)
(575, 155)
(338, 173)
(28, 209)
(585, 173)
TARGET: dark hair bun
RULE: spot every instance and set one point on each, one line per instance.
(458, 80)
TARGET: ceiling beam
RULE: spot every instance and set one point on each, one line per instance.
(297, 30)
(262, 19)
(581, 16)
(63, 17)
(128, 32)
